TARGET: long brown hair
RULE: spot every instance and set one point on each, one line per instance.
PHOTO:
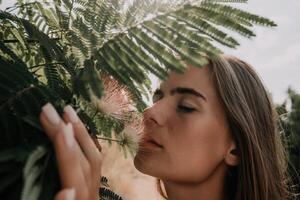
(262, 171)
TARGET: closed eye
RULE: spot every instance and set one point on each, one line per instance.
(185, 109)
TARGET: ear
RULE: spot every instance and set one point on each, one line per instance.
(232, 155)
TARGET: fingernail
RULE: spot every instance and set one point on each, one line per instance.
(71, 113)
(68, 134)
(51, 114)
(70, 194)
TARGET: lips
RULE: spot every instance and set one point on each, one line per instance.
(149, 140)
(154, 142)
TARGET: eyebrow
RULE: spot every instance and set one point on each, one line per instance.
(182, 90)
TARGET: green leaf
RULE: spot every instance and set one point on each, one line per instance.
(32, 171)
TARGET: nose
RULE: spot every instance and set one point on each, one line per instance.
(155, 115)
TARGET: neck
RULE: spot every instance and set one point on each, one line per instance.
(212, 188)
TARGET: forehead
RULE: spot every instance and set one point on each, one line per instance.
(198, 78)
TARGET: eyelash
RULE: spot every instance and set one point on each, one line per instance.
(185, 109)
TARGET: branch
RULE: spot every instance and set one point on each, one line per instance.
(109, 139)
(40, 65)
(27, 40)
(24, 5)
(17, 95)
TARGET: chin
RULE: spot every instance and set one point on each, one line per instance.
(138, 164)
(146, 167)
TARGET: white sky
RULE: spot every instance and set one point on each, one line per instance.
(274, 52)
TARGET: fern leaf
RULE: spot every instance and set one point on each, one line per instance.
(106, 194)
(93, 78)
(206, 29)
(198, 41)
(155, 48)
(219, 19)
(15, 58)
(141, 57)
(32, 171)
(237, 14)
(132, 69)
(104, 181)
(176, 45)
(51, 72)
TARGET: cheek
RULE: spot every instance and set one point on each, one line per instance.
(200, 148)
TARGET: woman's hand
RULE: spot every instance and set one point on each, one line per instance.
(79, 160)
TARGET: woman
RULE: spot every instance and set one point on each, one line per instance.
(210, 134)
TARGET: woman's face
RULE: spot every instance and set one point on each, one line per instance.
(189, 124)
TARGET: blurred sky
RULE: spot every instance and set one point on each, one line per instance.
(275, 52)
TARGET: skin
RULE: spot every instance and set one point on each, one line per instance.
(194, 134)
(192, 130)
(78, 157)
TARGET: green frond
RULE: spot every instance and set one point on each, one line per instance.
(55, 52)
(206, 28)
(89, 121)
(106, 194)
(87, 83)
(34, 33)
(133, 64)
(227, 1)
(24, 103)
(11, 161)
(198, 41)
(14, 76)
(68, 4)
(109, 125)
(79, 48)
(221, 20)
(84, 3)
(32, 171)
(53, 49)
(54, 80)
(7, 51)
(40, 175)
(140, 56)
(107, 17)
(104, 181)
(18, 34)
(155, 48)
(130, 66)
(237, 14)
(113, 67)
(82, 28)
(49, 16)
(62, 17)
(80, 88)
(178, 46)
(92, 77)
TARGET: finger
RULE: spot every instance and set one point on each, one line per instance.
(66, 194)
(69, 161)
(84, 139)
(50, 120)
(52, 123)
(66, 147)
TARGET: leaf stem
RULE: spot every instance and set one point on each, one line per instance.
(109, 139)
